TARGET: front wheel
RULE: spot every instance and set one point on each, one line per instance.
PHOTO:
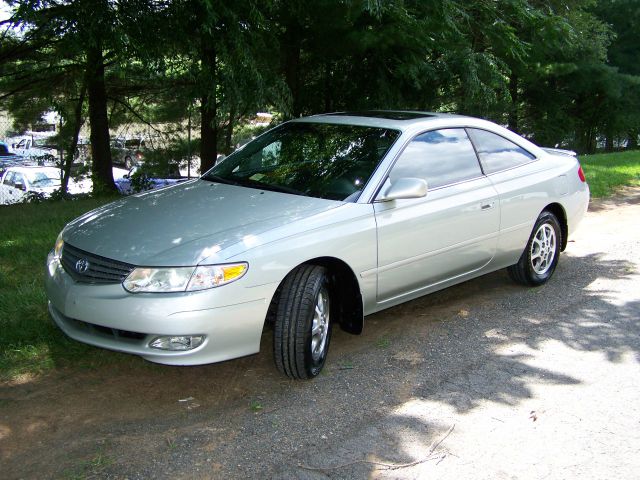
(540, 257)
(302, 327)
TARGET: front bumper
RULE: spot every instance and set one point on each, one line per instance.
(230, 317)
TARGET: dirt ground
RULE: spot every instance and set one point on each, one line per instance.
(483, 380)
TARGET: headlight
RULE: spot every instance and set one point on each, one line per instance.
(158, 279)
(57, 249)
(209, 276)
(181, 279)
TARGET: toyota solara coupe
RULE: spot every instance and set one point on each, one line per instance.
(315, 224)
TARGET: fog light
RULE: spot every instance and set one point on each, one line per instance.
(181, 343)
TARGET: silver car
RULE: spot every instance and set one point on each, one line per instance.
(314, 224)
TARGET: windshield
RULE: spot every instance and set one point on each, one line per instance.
(44, 179)
(314, 159)
(41, 142)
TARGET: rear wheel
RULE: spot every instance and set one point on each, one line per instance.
(540, 257)
(302, 327)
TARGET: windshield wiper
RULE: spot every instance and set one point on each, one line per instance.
(272, 188)
(247, 182)
(217, 179)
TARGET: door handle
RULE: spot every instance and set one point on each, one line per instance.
(486, 206)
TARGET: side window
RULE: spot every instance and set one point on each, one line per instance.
(441, 157)
(497, 153)
(19, 178)
(8, 179)
(271, 153)
(269, 156)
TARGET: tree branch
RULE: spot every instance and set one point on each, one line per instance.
(135, 114)
(389, 466)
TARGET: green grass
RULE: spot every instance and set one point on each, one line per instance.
(255, 406)
(606, 172)
(29, 341)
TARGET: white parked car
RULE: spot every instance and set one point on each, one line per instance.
(20, 181)
(314, 224)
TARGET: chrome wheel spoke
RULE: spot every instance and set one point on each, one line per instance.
(543, 249)
(320, 325)
(315, 330)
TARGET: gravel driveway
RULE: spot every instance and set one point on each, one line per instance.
(483, 380)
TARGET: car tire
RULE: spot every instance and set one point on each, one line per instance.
(302, 328)
(540, 257)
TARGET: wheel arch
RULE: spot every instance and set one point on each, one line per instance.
(344, 287)
(561, 215)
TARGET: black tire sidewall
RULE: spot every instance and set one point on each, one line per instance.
(533, 277)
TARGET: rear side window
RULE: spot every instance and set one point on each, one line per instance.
(441, 157)
(497, 153)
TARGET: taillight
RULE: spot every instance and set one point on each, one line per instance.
(581, 174)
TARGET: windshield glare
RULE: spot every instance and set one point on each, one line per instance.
(314, 159)
(44, 179)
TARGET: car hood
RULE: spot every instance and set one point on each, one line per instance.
(186, 224)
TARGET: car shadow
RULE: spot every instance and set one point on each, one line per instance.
(456, 350)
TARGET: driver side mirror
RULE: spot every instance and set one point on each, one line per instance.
(20, 186)
(404, 188)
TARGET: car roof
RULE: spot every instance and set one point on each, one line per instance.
(393, 119)
(414, 122)
(31, 168)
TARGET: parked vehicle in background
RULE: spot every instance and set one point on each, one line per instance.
(34, 148)
(8, 158)
(26, 182)
(19, 182)
(137, 180)
(127, 152)
(4, 151)
(316, 223)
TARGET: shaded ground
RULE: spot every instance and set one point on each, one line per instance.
(536, 383)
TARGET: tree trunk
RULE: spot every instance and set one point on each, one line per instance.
(632, 142)
(208, 108)
(102, 173)
(327, 87)
(513, 111)
(77, 124)
(292, 45)
(228, 142)
(608, 146)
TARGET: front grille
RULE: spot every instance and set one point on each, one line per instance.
(100, 269)
(106, 331)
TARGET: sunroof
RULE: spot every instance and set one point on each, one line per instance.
(389, 115)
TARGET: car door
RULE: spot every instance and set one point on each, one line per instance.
(451, 231)
(9, 193)
(516, 175)
(20, 182)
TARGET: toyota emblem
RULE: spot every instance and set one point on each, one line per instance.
(82, 265)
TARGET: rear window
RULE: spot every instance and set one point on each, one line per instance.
(497, 153)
